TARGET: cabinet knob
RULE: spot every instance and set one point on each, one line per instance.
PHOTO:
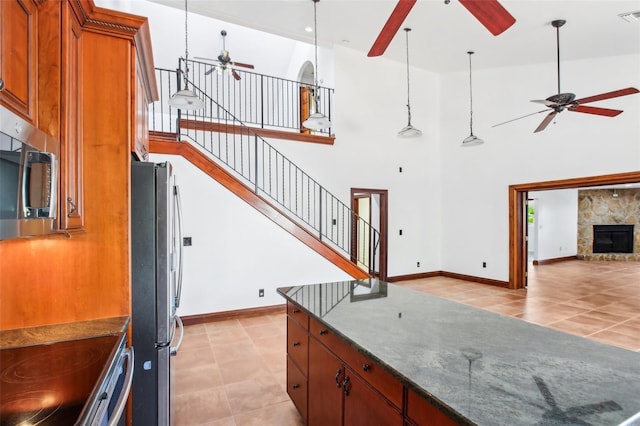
(296, 311)
(1, 84)
(296, 386)
(323, 332)
(366, 367)
(73, 207)
(345, 386)
(296, 344)
(338, 374)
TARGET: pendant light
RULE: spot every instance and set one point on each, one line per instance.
(186, 99)
(471, 140)
(408, 131)
(317, 120)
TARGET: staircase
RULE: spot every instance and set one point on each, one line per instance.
(239, 158)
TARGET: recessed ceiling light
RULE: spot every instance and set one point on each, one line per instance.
(631, 16)
(308, 29)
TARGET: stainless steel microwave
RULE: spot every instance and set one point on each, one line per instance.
(28, 178)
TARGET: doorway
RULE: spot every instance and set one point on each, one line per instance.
(518, 223)
(369, 249)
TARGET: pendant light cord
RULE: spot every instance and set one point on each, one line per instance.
(186, 45)
(315, 43)
(470, 97)
(406, 30)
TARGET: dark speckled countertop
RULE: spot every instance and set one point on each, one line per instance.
(30, 336)
(483, 367)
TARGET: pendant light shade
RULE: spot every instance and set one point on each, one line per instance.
(471, 140)
(408, 131)
(317, 120)
(186, 99)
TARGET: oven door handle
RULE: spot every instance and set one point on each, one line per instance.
(124, 394)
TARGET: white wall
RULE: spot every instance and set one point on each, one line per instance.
(236, 250)
(557, 223)
(475, 180)
(450, 202)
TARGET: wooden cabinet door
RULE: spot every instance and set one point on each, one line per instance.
(140, 138)
(325, 397)
(365, 407)
(18, 57)
(71, 179)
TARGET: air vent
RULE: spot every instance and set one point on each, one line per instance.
(631, 16)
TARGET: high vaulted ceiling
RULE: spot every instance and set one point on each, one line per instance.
(443, 33)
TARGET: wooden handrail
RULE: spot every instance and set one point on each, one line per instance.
(208, 166)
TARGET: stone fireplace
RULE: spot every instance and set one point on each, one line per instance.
(616, 213)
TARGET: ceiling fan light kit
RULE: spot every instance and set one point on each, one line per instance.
(317, 120)
(186, 99)
(408, 131)
(471, 140)
(561, 101)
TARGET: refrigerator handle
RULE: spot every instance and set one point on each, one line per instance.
(178, 204)
(174, 349)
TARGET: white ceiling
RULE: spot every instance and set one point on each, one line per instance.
(443, 33)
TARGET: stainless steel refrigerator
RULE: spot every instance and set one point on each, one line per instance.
(156, 272)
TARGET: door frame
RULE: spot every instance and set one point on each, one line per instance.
(384, 219)
(518, 195)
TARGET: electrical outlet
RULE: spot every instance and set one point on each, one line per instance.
(186, 241)
(418, 264)
(484, 264)
(261, 292)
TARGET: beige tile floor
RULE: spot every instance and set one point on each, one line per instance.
(232, 373)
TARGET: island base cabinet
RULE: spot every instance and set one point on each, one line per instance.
(364, 407)
(325, 387)
(297, 387)
(420, 412)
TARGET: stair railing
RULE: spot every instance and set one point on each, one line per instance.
(264, 169)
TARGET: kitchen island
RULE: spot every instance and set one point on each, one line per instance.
(387, 354)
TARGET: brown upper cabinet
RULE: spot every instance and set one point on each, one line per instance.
(18, 56)
(71, 182)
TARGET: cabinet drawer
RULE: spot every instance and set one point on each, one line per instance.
(298, 314)
(297, 344)
(371, 372)
(422, 412)
(297, 387)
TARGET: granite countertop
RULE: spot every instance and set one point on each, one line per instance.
(30, 336)
(482, 367)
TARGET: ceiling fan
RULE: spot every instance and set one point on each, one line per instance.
(224, 61)
(490, 13)
(561, 101)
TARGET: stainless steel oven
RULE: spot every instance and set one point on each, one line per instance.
(107, 406)
(83, 382)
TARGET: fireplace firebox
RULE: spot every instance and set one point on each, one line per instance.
(613, 238)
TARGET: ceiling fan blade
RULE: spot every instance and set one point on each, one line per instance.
(235, 74)
(595, 110)
(391, 27)
(545, 102)
(548, 119)
(608, 95)
(491, 14)
(240, 64)
(514, 119)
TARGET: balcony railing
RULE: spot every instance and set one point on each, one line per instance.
(261, 167)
